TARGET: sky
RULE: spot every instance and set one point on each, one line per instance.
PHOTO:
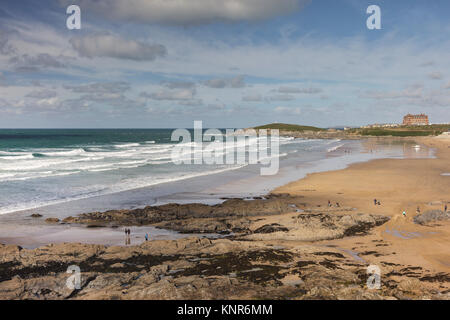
(229, 63)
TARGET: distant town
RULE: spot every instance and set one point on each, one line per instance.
(408, 120)
(412, 125)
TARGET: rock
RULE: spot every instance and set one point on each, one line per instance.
(11, 289)
(322, 226)
(431, 216)
(174, 213)
(198, 268)
(36, 215)
(411, 286)
(52, 220)
(70, 219)
(269, 228)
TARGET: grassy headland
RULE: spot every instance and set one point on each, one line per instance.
(315, 132)
(288, 127)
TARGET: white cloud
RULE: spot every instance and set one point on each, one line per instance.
(220, 83)
(299, 90)
(179, 84)
(41, 94)
(3, 82)
(28, 63)
(5, 47)
(436, 75)
(49, 103)
(190, 12)
(166, 94)
(289, 111)
(281, 97)
(412, 92)
(252, 97)
(100, 87)
(116, 47)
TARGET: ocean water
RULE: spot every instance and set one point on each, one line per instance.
(40, 167)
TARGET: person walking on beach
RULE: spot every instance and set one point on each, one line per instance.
(329, 203)
(445, 208)
(146, 237)
(375, 202)
(404, 213)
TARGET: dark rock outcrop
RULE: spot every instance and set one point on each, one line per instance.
(195, 268)
(269, 228)
(431, 216)
(231, 208)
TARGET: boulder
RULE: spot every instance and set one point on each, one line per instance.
(269, 228)
(431, 216)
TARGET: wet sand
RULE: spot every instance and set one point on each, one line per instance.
(34, 236)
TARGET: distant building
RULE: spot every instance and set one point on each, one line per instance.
(380, 125)
(415, 120)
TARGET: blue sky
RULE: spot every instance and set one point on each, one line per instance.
(230, 63)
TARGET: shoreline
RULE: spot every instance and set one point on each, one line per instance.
(300, 248)
(335, 160)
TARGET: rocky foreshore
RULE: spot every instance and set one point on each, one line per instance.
(195, 268)
(240, 217)
(259, 259)
(230, 216)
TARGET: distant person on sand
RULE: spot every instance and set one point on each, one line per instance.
(329, 203)
(418, 209)
(445, 208)
(337, 204)
(127, 237)
(375, 202)
(404, 213)
(146, 237)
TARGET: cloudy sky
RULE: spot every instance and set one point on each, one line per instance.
(230, 63)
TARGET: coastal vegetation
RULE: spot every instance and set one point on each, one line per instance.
(289, 127)
(399, 131)
(402, 131)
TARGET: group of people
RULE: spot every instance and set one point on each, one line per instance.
(376, 202)
(128, 236)
(330, 205)
(418, 210)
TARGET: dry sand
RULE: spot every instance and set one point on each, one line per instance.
(399, 184)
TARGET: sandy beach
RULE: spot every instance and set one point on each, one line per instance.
(400, 185)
